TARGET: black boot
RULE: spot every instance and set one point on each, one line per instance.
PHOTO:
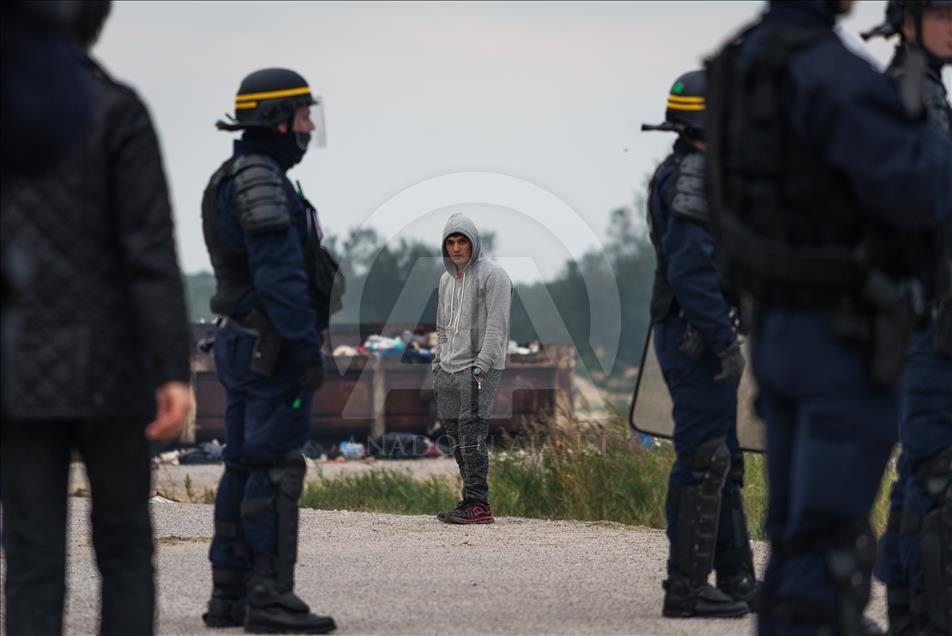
(273, 607)
(740, 587)
(683, 599)
(735, 556)
(271, 611)
(901, 621)
(694, 536)
(228, 603)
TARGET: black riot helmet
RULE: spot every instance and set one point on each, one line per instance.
(269, 97)
(896, 13)
(685, 112)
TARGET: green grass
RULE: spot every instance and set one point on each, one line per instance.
(586, 471)
(381, 491)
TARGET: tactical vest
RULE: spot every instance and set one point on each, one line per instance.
(233, 278)
(789, 226)
(686, 199)
(662, 296)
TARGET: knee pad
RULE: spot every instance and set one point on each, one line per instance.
(935, 544)
(698, 509)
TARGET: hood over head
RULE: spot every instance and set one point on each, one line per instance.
(460, 224)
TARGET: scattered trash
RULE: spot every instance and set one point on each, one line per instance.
(168, 457)
(206, 453)
(352, 450)
(403, 446)
(414, 347)
(345, 351)
(161, 499)
(533, 347)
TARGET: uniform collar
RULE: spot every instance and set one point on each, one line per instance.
(682, 147)
(808, 13)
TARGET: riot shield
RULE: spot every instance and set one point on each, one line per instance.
(651, 406)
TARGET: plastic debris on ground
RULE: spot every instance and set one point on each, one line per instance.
(403, 446)
(533, 347)
(352, 450)
(206, 453)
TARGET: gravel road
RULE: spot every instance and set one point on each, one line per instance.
(392, 574)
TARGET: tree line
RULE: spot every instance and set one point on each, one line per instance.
(383, 269)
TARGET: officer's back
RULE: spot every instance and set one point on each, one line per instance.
(821, 184)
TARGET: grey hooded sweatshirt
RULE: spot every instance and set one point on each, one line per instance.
(472, 314)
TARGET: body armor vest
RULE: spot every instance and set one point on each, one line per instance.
(791, 230)
(662, 296)
(686, 199)
(233, 278)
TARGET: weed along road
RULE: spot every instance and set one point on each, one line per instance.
(393, 574)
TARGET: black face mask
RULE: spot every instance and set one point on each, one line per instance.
(286, 148)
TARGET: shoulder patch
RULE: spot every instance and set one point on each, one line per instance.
(690, 199)
(260, 199)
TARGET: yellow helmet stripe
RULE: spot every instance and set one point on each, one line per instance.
(290, 92)
(672, 106)
(244, 105)
(685, 100)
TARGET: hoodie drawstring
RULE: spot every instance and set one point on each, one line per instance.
(459, 313)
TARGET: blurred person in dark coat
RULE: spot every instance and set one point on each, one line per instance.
(101, 357)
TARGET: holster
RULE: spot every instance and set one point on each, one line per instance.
(897, 309)
(267, 347)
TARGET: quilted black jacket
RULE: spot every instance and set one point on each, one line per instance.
(102, 320)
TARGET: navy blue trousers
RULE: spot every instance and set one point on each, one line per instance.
(829, 437)
(925, 429)
(265, 417)
(703, 410)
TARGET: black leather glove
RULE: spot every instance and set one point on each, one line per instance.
(732, 364)
(313, 377)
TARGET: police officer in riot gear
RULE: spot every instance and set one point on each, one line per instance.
(702, 364)
(916, 550)
(261, 236)
(808, 146)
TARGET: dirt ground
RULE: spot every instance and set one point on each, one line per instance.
(392, 574)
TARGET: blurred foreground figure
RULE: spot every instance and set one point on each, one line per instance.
(102, 349)
(824, 188)
(702, 363)
(916, 550)
(273, 292)
(45, 105)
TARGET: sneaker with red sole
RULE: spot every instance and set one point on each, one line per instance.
(468, 512)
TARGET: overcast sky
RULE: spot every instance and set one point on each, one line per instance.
(525, 116)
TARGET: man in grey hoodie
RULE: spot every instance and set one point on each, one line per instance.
(472, 327)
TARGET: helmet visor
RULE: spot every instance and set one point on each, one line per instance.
(319, 134)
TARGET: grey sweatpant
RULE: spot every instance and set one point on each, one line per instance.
(465, 409)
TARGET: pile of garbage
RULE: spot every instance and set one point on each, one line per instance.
(409, 346)
(205, 453)
(413, 347)
(387, 446)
